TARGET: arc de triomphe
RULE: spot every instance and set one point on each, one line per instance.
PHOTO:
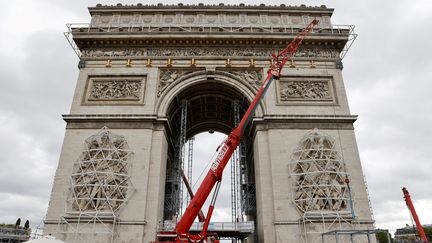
(151, 76)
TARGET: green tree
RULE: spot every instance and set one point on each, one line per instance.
(18, 222)
(382, 237)
(428, 232)
(27, 224)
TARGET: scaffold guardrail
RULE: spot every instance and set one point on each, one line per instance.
(72, 28)
(243, 227)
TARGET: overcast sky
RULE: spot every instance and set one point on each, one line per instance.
(387, 75)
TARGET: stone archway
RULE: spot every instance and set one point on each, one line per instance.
(187, 77)
(138, 62)
(210, 98)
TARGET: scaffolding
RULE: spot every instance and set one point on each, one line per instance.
(369, 201)
(38, 231)
(233, 187)
(100, 187)
(236, 215)
(14, 234)
(190, 164)
(247, 186)
(352, 36)
(181, 153)
(337, 234)
(320, 185)
(137, 28)
(174, 186)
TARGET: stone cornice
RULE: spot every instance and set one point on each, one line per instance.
(262, 123)
(327, 122)
(108, 116)
(340, 118)
(351, 118)
(87, 39)
(114, 121)
(119, 26)
(140, 24)
(214, 7)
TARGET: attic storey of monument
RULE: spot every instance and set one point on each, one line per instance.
(156, 75)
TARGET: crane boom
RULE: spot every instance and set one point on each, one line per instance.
(201, 216)
(410, 205)
(225, 152)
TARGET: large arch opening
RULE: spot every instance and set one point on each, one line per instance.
(210, 107)
(208, 110)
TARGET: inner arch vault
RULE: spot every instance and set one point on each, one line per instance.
(210, 105)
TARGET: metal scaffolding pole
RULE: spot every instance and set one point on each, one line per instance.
(243, 181)
(369, 201)
(190, 160)
(238, 183)
(234, 170)
(181, 152)
(237, 167)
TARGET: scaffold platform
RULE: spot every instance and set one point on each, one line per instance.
(237, 230)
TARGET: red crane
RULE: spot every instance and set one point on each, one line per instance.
(410, 205)
(214, 176)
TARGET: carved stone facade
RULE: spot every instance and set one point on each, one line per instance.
(121, 90)
(253, 77)
(203, 51)
(170, 75)
(305, 89)
(138, 63)
(225, 15)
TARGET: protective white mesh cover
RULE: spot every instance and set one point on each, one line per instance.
(318, 172)
(101, 180)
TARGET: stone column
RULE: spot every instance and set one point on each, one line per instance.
(264, 191)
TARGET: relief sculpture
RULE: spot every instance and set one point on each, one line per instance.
(101, 180)
(208, 51)
(118, 89)
(305, 90)
(114, 53)
(253, 77)
(319, 175)
(169, 76)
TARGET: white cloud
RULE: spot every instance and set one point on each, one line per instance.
(28, 176)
